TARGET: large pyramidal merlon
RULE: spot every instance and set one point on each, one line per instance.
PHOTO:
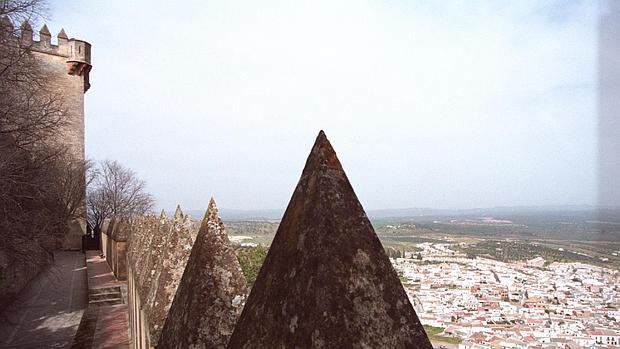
(211, 294)
(326, 281)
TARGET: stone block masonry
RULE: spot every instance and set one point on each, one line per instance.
(114, 246)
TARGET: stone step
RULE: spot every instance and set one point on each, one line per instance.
(99, 290)
(103, 302)
(104, 296)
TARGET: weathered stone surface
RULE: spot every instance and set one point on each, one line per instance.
(19, 265)
(115, 234)
(169, 269)
(326, 281)
(157, 232)
(120, 230)
(136, 239)
(211, 294)
(107, 223)
(139, 247)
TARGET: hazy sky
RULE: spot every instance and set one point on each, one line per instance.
(429, 104)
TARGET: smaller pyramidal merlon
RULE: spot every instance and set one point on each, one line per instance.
(168, 269)
(178, 214)
(211, 294)
(44, 30)
(25, 26)
(158, 232)
(326, 281)
(62, 34)
(6, 24)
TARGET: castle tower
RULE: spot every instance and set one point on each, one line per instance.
(326, 281)
(67, 66)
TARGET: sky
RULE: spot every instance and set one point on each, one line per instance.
(451, 104)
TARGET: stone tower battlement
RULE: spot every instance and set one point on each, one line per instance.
(75, 51)
(66, 65)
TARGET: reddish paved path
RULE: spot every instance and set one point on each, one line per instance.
(47, 313)
(112, 327)
(102, 326)
(99, 272)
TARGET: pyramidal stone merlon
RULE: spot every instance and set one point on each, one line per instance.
(160, 230)
(326, 281)
(211, 294)
(168, 272)
(136, 238)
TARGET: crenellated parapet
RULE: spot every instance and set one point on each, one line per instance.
(326, 281)
(77, 53)
(185, 285)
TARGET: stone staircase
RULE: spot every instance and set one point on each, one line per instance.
(105, 296)
(104, 323)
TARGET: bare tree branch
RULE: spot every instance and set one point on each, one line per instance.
(42, 187)
(115, 192)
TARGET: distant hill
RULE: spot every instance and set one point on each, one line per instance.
(583, 223)
(233, 214)
(591, 212)
(489, 211)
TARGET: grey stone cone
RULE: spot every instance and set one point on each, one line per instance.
(168, 272)
(326, 281)
(211, 294)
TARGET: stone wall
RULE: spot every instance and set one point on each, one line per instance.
(17, 268)
(114, 246)
(185, 285)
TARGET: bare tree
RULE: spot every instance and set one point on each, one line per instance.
(42, 187)
(23, 10)
(116, 192)
(69, 186)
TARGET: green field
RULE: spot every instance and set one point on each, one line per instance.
(434, 334)
(567, 236)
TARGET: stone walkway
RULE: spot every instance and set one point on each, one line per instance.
(99, 272)
(47, 314)
(102, 326)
